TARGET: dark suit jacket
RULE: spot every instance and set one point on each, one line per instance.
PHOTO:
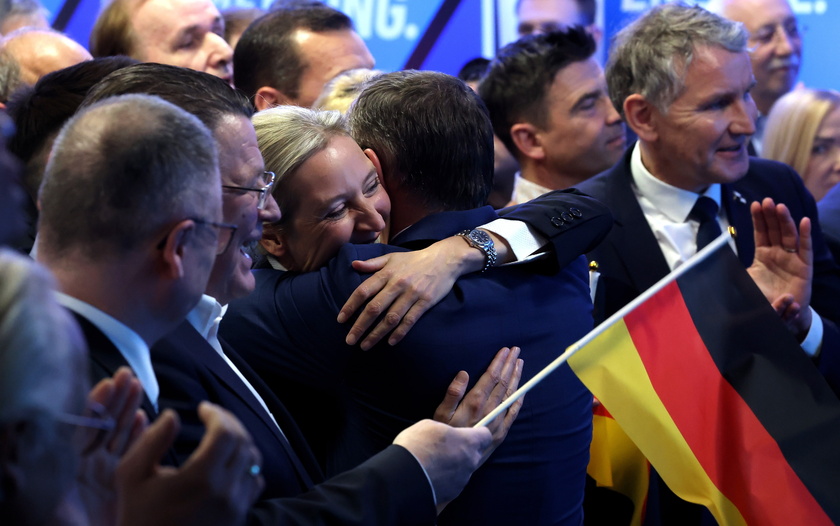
(829, 209)
(105, 359)
(390, 489)
(288, 332)
(630, 260)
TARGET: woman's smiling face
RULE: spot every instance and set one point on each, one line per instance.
(338, 198)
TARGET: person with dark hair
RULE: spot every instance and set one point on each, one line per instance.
(289, 55)
(425, 140)
(129, 228)
(545, 16)
(549, 105)
(504, 165)
(186, 33)
(681, 77)
(237, 19)
(192, 364)
(39, 112)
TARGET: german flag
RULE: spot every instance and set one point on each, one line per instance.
(717, 394)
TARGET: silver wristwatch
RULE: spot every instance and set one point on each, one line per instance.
(481, 240)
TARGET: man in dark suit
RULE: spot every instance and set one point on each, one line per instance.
(191, 364)
(539, 470)
(693, 124)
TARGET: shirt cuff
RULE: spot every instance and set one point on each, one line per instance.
(524, 241)
(812, 344)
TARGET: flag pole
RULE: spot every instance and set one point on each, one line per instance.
(597, 331)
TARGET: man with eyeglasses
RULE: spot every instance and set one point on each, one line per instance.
(775, 48)
(191, 364)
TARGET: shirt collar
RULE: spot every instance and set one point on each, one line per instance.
(207, 313)
(132, 347)
(675, 203)
(525, 190)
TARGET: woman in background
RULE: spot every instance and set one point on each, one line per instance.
(803, 131)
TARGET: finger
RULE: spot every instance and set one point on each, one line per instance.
(126, 416)
(774, 225)
(396, 313)
(363, 292)
(782, 303)
(370, 265)
(454, 394)
(218, 442)
(787, 228)
(144, 456)
(759, 225)
(381, 297)
(100, 395)
(403, 314)
(502, 388)
(409, 320)
(806, 242)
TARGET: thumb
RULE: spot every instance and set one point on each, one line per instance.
(370, 265)
(144, 455)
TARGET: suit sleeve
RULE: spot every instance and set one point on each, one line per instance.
(825, 294)
(571, 221)
(390, 488)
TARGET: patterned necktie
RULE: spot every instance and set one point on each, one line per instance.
(705, 212)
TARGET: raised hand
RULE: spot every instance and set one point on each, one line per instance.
(783, 267)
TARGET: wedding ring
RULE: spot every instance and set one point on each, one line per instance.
(254, 470)
(791, 250)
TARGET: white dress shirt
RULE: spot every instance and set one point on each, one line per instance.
(132, 347)
(666, 209)
(525, 190)
(205, 318)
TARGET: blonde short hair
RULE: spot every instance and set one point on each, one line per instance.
(793, 123)
(287, 137)
(340, 92)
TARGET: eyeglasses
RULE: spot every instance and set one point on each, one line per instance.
(98, 419)
(268, 180)
(768, 34)
(224, 234)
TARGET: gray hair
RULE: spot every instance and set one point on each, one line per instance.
(9, 75)
(288, 136)
(36, 340)
(651, 56)
(120, 171)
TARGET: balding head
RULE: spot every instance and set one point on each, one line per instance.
(39, 51)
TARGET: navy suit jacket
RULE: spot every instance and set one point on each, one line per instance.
(630, 260)
(287, 330)
(390, 489)
(829, 208)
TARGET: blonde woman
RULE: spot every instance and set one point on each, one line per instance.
(803, 131)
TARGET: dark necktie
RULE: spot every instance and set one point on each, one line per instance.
(705, 212)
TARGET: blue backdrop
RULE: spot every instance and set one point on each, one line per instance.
(443, 34)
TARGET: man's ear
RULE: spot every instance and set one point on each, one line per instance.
(639, 114)
(174, 248)
(377, 165)
(527, 139)
(274, 242)
(268, 97)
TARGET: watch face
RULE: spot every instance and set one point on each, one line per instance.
(479, 236)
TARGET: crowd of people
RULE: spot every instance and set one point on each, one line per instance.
(248, 279)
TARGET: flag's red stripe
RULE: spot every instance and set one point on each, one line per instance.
(737, 452)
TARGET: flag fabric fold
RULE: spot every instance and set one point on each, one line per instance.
(705, 379)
